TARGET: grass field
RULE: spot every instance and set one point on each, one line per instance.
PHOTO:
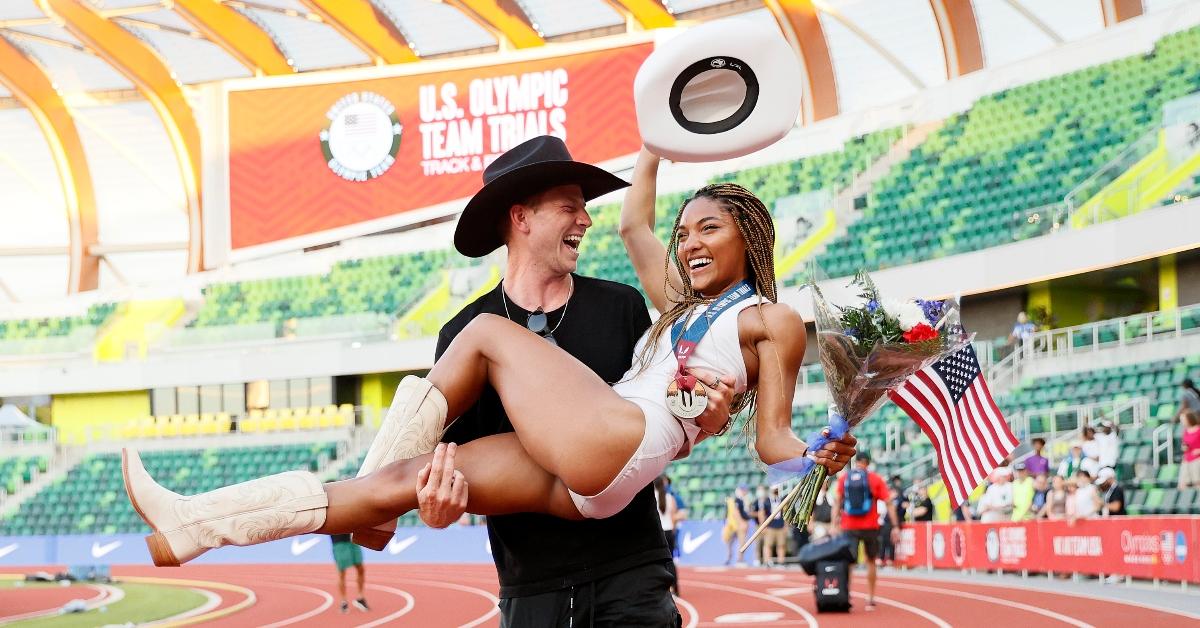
(142, 603)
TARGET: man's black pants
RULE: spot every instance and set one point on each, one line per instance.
(636, 598)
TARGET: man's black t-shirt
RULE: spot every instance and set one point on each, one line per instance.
(927, 504)
(1114, 494)
(538, 553)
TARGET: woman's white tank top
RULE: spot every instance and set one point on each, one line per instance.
(720, 351)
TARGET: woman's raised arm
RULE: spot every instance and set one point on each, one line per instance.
(646, 251)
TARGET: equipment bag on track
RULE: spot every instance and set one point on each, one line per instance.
(832, 586)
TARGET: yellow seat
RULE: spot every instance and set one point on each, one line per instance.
(208, 424)
(174, 425)
(250, 424)
(339, 420)
(288, 420)
(147, 428)
(191, 425)
(326, 419)
(270, 420)
(308, 421)
(160, 425)
(224, 422)
(256, 414)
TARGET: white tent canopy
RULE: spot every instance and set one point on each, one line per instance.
(12, 417)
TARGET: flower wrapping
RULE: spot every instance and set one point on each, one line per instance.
(866, 351)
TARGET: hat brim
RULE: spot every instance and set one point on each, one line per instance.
(478, 232)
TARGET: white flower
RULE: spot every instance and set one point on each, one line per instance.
(909, 314)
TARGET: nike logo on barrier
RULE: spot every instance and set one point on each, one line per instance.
(692, 544)
(395, 547)
(8, 549)
(299, 547)
(100, 551)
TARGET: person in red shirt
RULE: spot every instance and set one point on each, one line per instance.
(855, 510)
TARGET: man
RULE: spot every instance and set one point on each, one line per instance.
(855, 510)
(615, 571)
(345, 556)
(1022, 330)
(736, 524)
(1110, 445)
(1022, 492)
(1041, 489)
(923, 510)
(1085, 503)
(773, 543)
(1076, 461)
(1112, 495)
(997, 501)
(1036, 463)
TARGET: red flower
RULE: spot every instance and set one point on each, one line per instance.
(919, 333)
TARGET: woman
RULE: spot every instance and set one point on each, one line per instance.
(618, 438)
(1057, 500)
(667, 507)
(1189, 471)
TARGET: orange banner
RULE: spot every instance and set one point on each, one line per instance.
(306, 159)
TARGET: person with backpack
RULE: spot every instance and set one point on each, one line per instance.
(855, 511)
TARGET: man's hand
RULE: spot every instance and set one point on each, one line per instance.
(441, 489)
(835, 455)
(716, 414)
(895, 535)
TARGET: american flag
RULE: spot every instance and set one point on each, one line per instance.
(952, 404)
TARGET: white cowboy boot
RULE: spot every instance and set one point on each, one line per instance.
(412, 427)
(266, 509)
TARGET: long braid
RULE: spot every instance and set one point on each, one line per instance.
(754, 222)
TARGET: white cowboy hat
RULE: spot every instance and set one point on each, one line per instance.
(720, 90)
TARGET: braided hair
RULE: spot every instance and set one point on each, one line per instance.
(754, 222)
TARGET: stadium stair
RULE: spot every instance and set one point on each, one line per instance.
(1144, 185)
(135, 325)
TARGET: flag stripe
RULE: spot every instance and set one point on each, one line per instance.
(950, 401)
(903, 399)
(917, 408)
(966, 447)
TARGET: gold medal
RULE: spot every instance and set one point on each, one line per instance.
(684, 403)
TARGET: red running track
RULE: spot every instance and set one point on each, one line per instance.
(464, 595)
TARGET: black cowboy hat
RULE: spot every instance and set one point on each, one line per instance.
(533, 166)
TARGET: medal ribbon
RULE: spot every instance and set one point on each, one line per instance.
(684, 341)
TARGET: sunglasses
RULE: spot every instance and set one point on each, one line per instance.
(539, 324)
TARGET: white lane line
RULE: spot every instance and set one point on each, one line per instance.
(495, 601)
(1076, 594)
(409, 604)
(934, 619)
(328, 601)
(808, 617)
(211, 601)
(693, 615)
(989, 599)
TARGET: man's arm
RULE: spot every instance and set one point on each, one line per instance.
(441, 489)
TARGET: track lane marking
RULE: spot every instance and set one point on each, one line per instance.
(693, 614)
(979, 597)
(328, 601)
(808, 617)
(409, 603)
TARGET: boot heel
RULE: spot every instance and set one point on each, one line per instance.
(160, 551)
(372, 538)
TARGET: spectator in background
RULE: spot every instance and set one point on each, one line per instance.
(855, 510)
(1022, 490)
(1112, 500)
(822, 517)
(1075, 461)
(997, 501)
(1057, 499)
(760, 509)
(1041, 491)
(1085, 503)
(1091, 447)
(1036, 463)
(1023, 330)
(345, 556)
(774, 540)
(1189, 471)
(665, 502)
(736, 523)
(1110, 445)
(887, 549)
(1189, 398)
(681, 510)
(923, 507)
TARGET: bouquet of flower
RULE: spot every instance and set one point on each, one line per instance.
(866, 351)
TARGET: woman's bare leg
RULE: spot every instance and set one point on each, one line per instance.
(503, 479)
(568, 419)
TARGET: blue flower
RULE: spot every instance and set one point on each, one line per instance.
(849, 331)
(872, 305)
(932, 309)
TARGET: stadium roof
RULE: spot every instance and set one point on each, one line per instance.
(100, 146)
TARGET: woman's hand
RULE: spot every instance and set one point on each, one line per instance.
(835, 455)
